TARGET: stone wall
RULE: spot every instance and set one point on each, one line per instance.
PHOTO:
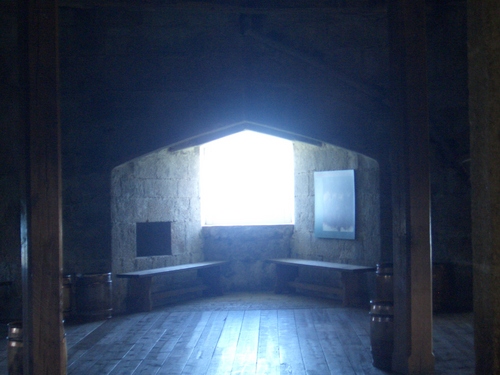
(247, 248)
(365, 249)
(159, 187)
(163, 186)
(130, 75)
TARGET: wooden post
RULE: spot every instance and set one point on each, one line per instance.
(44, 339)
(411, 195)
(139, 294)
(285, 274)
(211, 277)
(484, 115)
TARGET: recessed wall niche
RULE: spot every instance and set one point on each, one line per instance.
(164, 186)
(153, 239)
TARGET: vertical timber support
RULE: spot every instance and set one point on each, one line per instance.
(411, 196)
(484, 115)
(43, 331)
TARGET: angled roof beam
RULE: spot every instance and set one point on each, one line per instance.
(238, 127)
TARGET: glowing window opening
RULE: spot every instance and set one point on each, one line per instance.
(247, 178)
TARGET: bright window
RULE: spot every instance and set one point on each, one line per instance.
(247, 179)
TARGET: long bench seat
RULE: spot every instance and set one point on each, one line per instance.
(354, 290)
(139, 292)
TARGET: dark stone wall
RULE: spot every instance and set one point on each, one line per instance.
(247, 248)
(134, 80)
(365, 248)
(163, 186)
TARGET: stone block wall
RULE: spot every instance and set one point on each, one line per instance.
(365, 249)
(158, 187)
(247, 248)
(163, 186)
(131, 75)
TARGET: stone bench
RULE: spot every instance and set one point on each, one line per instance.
(354, 291)
(139, 292)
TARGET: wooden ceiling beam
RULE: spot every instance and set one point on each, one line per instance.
(206, 6)
(41, 215)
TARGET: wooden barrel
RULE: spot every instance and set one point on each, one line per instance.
(15, 348)
(93, 296)
(384, 285)
(382, 334)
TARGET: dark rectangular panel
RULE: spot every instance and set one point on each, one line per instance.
(154, 239)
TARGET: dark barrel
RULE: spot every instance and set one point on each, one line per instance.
(384, 286)
(15, 348)
(382, 334)
(93, 296)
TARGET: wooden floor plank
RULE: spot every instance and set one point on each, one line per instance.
(232, 334)
(201, 355)
(183, 348)
(245, 358)
(349, 341)
(169, 332)
(122, 346)
(312, 355)
(268, 358)
(82, 355)
(326, 330)
(223, 358)
(453, 346)
(358, 322)
(289, 347)
(79, 332)
(125, 367)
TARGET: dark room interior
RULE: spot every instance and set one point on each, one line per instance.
(107, 107)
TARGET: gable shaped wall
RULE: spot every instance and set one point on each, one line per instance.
(164, 186)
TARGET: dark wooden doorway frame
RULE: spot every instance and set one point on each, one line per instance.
(42, 218)
(413, 352)
(41, 213)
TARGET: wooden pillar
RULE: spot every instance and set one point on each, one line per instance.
(411, 196)
(44, 339)
(484, 114)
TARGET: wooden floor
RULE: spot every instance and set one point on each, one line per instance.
(258, 333)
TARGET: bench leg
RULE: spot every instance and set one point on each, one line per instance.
(355, 291)
(285, 274)
(139, 295)
(211, 278)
